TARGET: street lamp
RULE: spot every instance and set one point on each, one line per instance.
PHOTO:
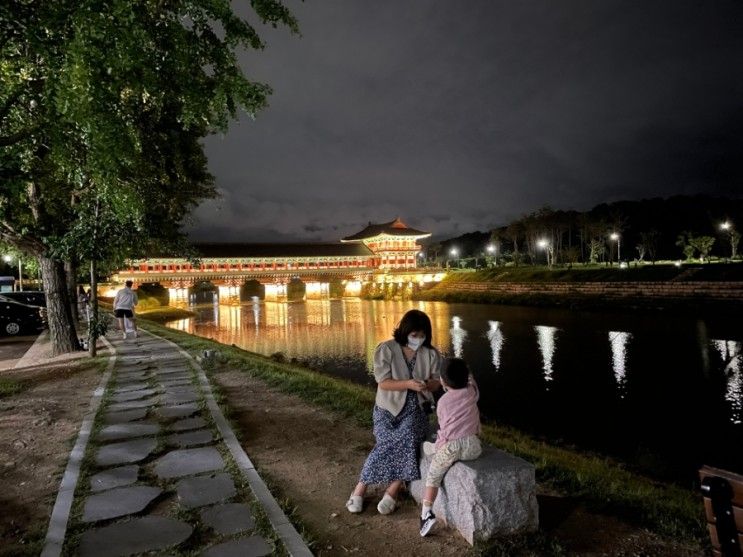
(733, 236)
(490, 248)
(453, 252)
(618, 239)
(545, 245)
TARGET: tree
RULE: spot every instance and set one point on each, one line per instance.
(649, 244)
(703, 244)
(104, 105)
(684, 241)
(597, 249)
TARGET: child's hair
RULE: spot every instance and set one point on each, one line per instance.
(456, 373)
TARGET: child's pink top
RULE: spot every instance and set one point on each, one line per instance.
(458, 414)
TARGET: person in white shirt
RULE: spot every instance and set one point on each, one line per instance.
(124, 304)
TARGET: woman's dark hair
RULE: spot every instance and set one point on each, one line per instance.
(414, 320)
(456, 374)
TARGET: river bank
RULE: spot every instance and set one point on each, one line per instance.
(595, 483)
(711, 288)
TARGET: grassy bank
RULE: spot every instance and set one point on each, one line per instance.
(713, 272)
(603, 484)
(165, 313)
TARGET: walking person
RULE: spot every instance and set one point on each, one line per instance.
(406, 369)
(457, 438)
(124, 304)
(83, 304)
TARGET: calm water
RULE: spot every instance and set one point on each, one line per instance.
(662, 392)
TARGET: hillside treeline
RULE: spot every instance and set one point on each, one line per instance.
(677, 228)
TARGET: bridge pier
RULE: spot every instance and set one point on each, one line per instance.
(229, 294)
(317, 290)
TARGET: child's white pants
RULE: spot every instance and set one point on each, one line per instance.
(466, 448)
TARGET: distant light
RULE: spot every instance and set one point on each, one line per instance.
(8, 258)
(421, 254)
(623, 265)
(614, 236)
(454, 251)
(542, 243)
(490, 248)
(678, 263)
(726, 225)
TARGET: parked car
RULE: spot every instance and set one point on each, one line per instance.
(30, 297)
(16, 317)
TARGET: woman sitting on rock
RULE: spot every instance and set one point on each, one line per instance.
(407, 370)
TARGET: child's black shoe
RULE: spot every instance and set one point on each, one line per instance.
(427, 523)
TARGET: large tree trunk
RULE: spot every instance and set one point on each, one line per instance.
(59, 314)
(70, 269)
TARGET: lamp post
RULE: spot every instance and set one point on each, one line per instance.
(618, 239)
(9, 259)
(733, 237)
(453, 252)
(547, 247)
(490, 248)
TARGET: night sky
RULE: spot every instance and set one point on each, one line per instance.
(460, 116)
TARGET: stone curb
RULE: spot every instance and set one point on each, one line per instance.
(61, 512)
(34, 350)
(295, 545)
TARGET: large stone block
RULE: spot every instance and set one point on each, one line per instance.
(483, 498)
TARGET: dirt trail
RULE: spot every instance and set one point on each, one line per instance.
(314, 458)
(36, 429)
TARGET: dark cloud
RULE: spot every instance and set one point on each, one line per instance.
(459, 116)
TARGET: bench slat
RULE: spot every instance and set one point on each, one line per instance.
(736, 482)
(737, 514)
(716, 541)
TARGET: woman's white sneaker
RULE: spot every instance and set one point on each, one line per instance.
(387, 504)
(355, 504)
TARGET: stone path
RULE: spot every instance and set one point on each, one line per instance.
(167, 474)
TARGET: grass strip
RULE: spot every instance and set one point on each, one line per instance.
(661, 272)
(600, 482)
(10, 387)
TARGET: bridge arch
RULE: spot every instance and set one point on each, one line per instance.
(251, 288)
(296, 290)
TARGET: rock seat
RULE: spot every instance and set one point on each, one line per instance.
(487, 497)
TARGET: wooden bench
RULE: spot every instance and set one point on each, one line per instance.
(723, 506)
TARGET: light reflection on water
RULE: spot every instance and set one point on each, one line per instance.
(496, 339)
(730, 352)
(610, 381)
(546, 339)
(457, 336)
(618, 341)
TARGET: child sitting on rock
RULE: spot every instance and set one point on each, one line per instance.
(459, 424)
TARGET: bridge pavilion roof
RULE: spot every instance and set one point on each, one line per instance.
(237, 250)
(392, 228)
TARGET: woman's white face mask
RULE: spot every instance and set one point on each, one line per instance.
(415, 342)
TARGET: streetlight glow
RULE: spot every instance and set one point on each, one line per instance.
(726, 225)
(618, 239)
(454, 252)
(7, 258)
(542, 243)
(490, 248)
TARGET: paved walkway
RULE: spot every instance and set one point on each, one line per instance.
(166, 472)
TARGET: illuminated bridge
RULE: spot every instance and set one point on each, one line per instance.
(382, 259)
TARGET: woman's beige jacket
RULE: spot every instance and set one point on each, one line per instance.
(389, 363)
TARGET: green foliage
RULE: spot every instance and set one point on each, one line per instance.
(10, 387)
(103, 108)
